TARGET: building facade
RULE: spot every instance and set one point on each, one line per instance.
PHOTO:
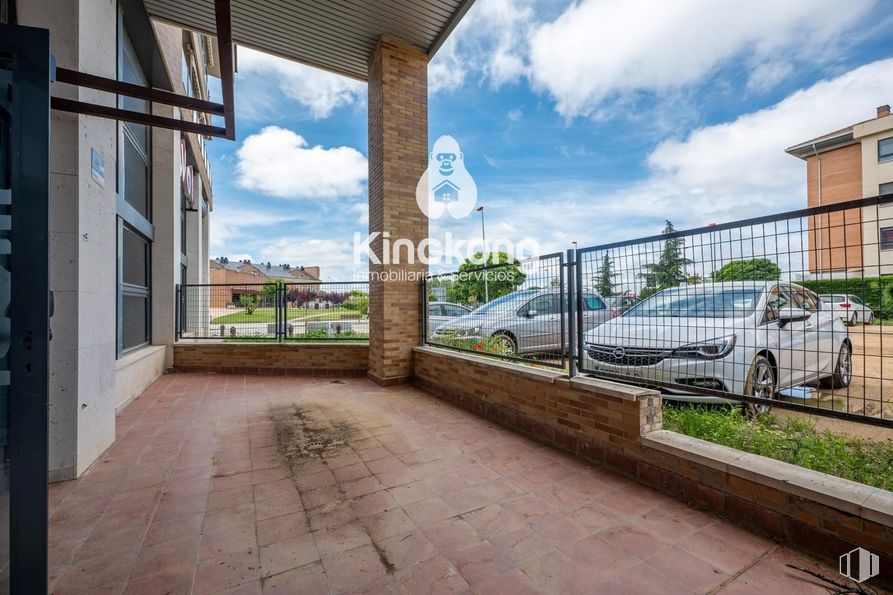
(848, 164)
(131, 212)
(242, 277)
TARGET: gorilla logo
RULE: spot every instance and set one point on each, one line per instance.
(446, 185)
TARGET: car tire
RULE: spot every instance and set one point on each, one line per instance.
(855, 319)
(870, 320)
(843, 370)
(505, 343)
(760, 381)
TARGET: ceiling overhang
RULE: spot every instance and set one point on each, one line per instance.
(335, 35)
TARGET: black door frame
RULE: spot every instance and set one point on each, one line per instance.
(26, 52)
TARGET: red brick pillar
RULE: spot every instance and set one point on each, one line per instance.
(398, 148)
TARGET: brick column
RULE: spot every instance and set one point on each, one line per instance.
(398, 148)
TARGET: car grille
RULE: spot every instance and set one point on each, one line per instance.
(625, 356)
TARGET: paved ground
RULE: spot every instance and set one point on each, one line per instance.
(282, 485)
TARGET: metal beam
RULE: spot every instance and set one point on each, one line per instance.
(82, 79)
(114, 113)
(223, 16)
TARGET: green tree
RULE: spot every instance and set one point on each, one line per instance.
(249, 302)
(468, 287)
(604, 283)
(754, 269)
(357, 300)
(268, 292)
(669, 270)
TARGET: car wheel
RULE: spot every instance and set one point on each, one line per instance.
(855, 319)
(843, 371)
(504, 344)
(760, 383)
(870, 320)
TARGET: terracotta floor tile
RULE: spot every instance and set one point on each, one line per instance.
(337, 540)
(353, 569)
(375, 503)
(421, 497)
(281, 527)
(433, 576)
(404, 550)
(285, 555)
(687, 570)
(227, 572)
(307, 580)
(427, 511)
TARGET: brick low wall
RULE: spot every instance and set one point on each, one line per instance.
(619, 426)
(310, 359)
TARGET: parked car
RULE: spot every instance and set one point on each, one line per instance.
(850, 308)
(524, 321)
(620, 304)
(441, 312)
(750, 338)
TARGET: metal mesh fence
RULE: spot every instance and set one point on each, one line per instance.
(791, 310)
(273, 311)
(514, 310)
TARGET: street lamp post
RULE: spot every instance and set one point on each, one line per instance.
(480, 210)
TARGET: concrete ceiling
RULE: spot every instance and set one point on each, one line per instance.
(335, 35)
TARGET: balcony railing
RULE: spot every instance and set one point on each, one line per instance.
(275, 311)
(790, 310)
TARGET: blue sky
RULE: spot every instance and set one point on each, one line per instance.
(588, 121)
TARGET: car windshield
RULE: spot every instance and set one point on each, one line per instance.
(500, 304)
(698, 302)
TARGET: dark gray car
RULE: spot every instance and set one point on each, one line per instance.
(525, 321)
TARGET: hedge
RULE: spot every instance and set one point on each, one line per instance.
(877, 292)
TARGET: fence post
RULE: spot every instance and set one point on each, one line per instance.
(281, 314)
(571, 314)
(178, 323)
(424, 303)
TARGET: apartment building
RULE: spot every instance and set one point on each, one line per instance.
(242, 277)
(130, 211)
(851, 163)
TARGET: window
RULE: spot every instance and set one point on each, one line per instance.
(887, 238)
(591, 302)
(451, 310)
(885, 188)
(435, 310)
(885, 149)
(806, 300)
(183, 235)
(135, 231)
(544, 304)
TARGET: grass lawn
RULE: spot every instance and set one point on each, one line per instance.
(269, 315)
(793, 441)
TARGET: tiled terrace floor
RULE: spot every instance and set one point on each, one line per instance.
(284, 485)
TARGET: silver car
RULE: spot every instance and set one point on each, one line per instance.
(441, 312)
(850, 308)
(525, 321)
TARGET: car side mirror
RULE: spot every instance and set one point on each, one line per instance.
(788, 315)
(531, 313)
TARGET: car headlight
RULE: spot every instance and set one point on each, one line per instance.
(475, 330)
(712, 349)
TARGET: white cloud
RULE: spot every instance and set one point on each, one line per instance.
(599, 50)
(717, 173)
(740, 167)
(280, 162)
(515, 114)
(765, 76)
(320, 91)
(361, 209)
(335, 258)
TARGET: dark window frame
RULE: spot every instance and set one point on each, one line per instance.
(129, 218)
(885, 245)
(888, 155)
